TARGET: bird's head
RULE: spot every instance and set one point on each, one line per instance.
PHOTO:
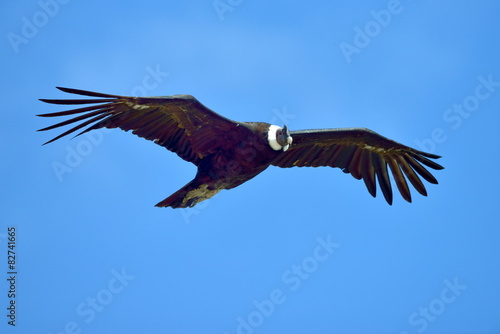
(279, 138)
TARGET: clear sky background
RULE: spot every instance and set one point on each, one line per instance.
(293, 250)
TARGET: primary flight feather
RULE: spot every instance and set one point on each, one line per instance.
(229, 153)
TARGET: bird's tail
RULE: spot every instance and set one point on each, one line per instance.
(189, 195)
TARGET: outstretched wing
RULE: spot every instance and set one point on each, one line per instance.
(364, 154)
(179, 123)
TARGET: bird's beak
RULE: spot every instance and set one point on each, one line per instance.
(289, 141)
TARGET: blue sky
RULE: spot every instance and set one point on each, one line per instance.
(95, 256)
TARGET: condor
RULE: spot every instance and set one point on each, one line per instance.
(229, 153)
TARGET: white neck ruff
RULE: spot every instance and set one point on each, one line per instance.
(271, 137)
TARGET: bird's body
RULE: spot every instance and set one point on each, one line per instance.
(229, 153)
(243, 156)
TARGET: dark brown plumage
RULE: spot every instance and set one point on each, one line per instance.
(365, 155)
(229, 153)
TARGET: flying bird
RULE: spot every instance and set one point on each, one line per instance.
(229, 153)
